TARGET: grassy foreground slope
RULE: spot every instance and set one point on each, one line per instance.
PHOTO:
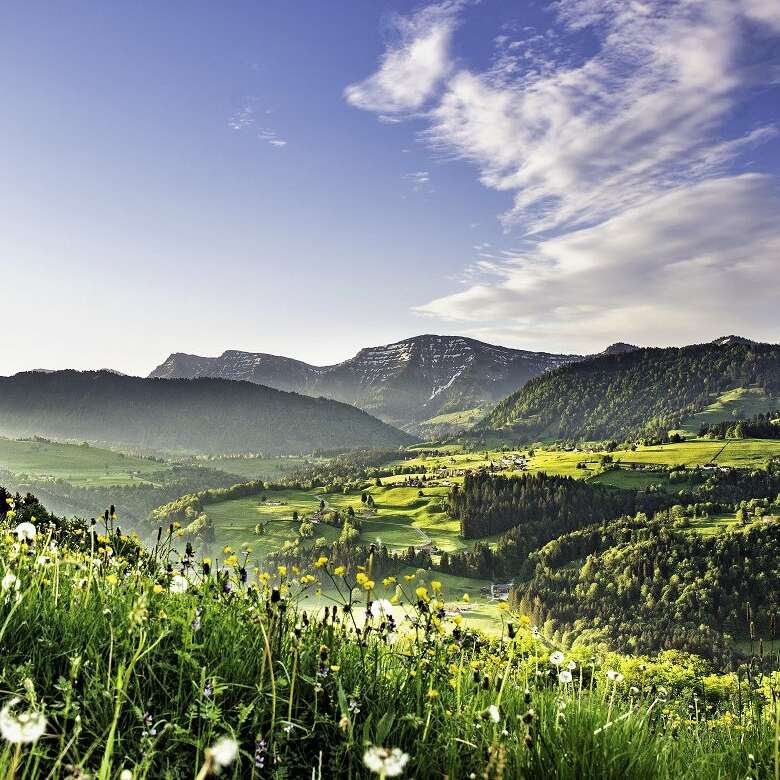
(644, 391)
(115, 667)
(198, 415)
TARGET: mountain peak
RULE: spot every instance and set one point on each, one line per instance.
(725, 341)
(618, 348)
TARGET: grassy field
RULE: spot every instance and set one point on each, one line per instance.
(743, 402)
(78, 464)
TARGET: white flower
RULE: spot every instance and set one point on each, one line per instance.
(556, 658)
(384, 762)
(493, 713)
(615, 676)
(125, 774)
(564, 676)
(178, 584)
(20, 727)
(224, 752)
(571, 666)
(382, 607)
(25, 532)
(10, 581)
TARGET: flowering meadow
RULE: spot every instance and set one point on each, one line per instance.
(126, 661)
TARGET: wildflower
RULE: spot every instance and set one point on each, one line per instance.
(491, 713)
(556, 658)
(571, 666)
(231, 560)
(223, 752)
(422, 594)
(564, 676)
(112, 579)
(158, 588)
(384, 762)
(466, 598)
(382, 607)
(361, 577)
(21, 727)
(261, 746)
(227, 549)
(409, 577)
(435, 586)
(503, 605)
(339, 571)
(282, 571)
(369, 585)
(388, 581)
(614, 676)
(25, 532)
(178, 584)
(321, 562)
(10, 581)
(433, 694)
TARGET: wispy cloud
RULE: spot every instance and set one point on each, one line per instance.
(412, 66)
(245, 118)
(608, 158)
(698, 261)
(420, 180)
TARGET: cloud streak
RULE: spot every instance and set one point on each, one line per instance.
(621, 178)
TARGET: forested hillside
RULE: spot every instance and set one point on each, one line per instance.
(651, 584)
(198, 415)
(641, 392)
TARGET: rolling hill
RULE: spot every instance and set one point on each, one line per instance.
(635, 392)
(404, 384)
(200, 415)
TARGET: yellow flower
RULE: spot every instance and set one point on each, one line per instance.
(433, 694)
(361, 578)
(307, 579)
(339, 571)
(177, 525)
(264, 576)
(296, 571)
(409, 577)
(231, 560)
(388, 581)
(112, 579)
(207, 561)
(335, 668)
(282, 571)
(321, 562)
(369, 584)
(422, 594)
(466, 598)
(503, 605)
(158, 588)
(227, 549)
(435, 586)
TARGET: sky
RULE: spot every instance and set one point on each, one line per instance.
(310, 178)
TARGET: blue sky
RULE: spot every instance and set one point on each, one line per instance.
(308, 178)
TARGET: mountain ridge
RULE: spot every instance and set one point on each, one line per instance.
(403, 383)
(208, 415)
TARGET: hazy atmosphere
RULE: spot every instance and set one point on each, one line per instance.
(307, 179)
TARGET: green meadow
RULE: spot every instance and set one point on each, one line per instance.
(740, 403)
(79, 464)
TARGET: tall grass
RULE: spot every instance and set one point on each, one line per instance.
(138, 680)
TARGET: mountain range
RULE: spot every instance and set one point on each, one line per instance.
(405, 383)
(201, 415)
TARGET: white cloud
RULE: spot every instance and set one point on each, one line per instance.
(632, 213)
(696, 262)
(575, 144)
(420, 180)
(412, 67)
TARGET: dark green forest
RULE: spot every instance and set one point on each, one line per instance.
(645, 392)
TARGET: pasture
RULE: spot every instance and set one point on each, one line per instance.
(79, 464)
